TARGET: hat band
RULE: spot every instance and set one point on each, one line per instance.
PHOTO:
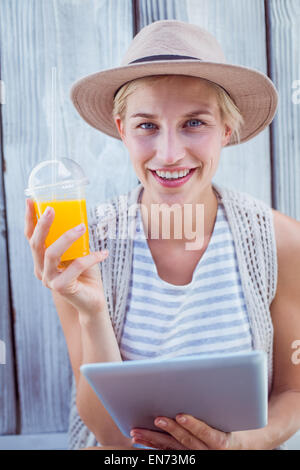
(163, 57)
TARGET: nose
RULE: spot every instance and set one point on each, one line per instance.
(170, 147)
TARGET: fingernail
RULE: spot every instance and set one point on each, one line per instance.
(181, 419)
(136, 435)
(47, 211)
(161, 422)
(80, 228)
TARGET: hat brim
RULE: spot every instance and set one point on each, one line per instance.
(253, 92)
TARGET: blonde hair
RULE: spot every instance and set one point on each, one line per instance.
(230, 114)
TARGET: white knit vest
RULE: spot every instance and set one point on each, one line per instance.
(251, 223)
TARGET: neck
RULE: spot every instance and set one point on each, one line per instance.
(182, 226)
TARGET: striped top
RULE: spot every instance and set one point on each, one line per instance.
(252, 227)
(208, 315)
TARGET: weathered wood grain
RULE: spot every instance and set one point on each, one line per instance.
(78, 38)
(155, 10)
(284, 25)
(239, 25)
(8, 405)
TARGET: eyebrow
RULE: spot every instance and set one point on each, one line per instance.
(191, 114)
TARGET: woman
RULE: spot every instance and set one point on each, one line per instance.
(175, 104)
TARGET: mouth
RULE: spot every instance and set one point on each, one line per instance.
(172, 181)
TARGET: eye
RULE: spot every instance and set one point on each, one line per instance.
(194, 123)
(147, 126)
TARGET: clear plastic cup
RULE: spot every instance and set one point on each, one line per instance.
(61, 184)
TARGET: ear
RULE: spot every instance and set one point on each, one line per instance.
(226, 135)
(120, 126)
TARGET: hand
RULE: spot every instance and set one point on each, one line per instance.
(185, 432)
(80, 283)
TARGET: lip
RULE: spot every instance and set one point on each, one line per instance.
(175, 183)
(177, 168)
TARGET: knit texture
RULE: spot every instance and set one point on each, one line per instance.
(251, 223)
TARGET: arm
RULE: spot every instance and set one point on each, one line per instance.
(90, 340)
(284, 400)
(81, 306)
(285, 312)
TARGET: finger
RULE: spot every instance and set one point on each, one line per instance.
(183, 436)
(30, 219)
(54, 252)
(143, 443)
(211, 437)
(38, 238)
(155, 439)
(66, 282)
(76, 292)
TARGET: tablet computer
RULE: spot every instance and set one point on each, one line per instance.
(229, 392)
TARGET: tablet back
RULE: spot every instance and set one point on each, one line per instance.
(228, 392)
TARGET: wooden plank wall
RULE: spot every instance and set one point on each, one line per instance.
(77, 38)
(8, 408)
(284, 24)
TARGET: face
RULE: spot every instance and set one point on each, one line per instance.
(174, 125)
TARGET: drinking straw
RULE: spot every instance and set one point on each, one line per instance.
(53, 131)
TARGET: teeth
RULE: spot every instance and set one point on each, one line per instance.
(173, 174)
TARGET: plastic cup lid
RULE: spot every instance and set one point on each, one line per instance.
(50, 174)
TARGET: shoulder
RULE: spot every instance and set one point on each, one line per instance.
(287, 236)
(244, 202)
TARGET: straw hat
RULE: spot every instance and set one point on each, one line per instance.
(179, 48)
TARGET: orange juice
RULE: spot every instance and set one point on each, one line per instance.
(68, 214)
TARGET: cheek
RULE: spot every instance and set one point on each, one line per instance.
(208, 146)
(202, 148)
(207, 151)
(138, 158)
(140, 149)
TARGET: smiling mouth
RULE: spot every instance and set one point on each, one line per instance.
(174, 174)
(167, 180)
